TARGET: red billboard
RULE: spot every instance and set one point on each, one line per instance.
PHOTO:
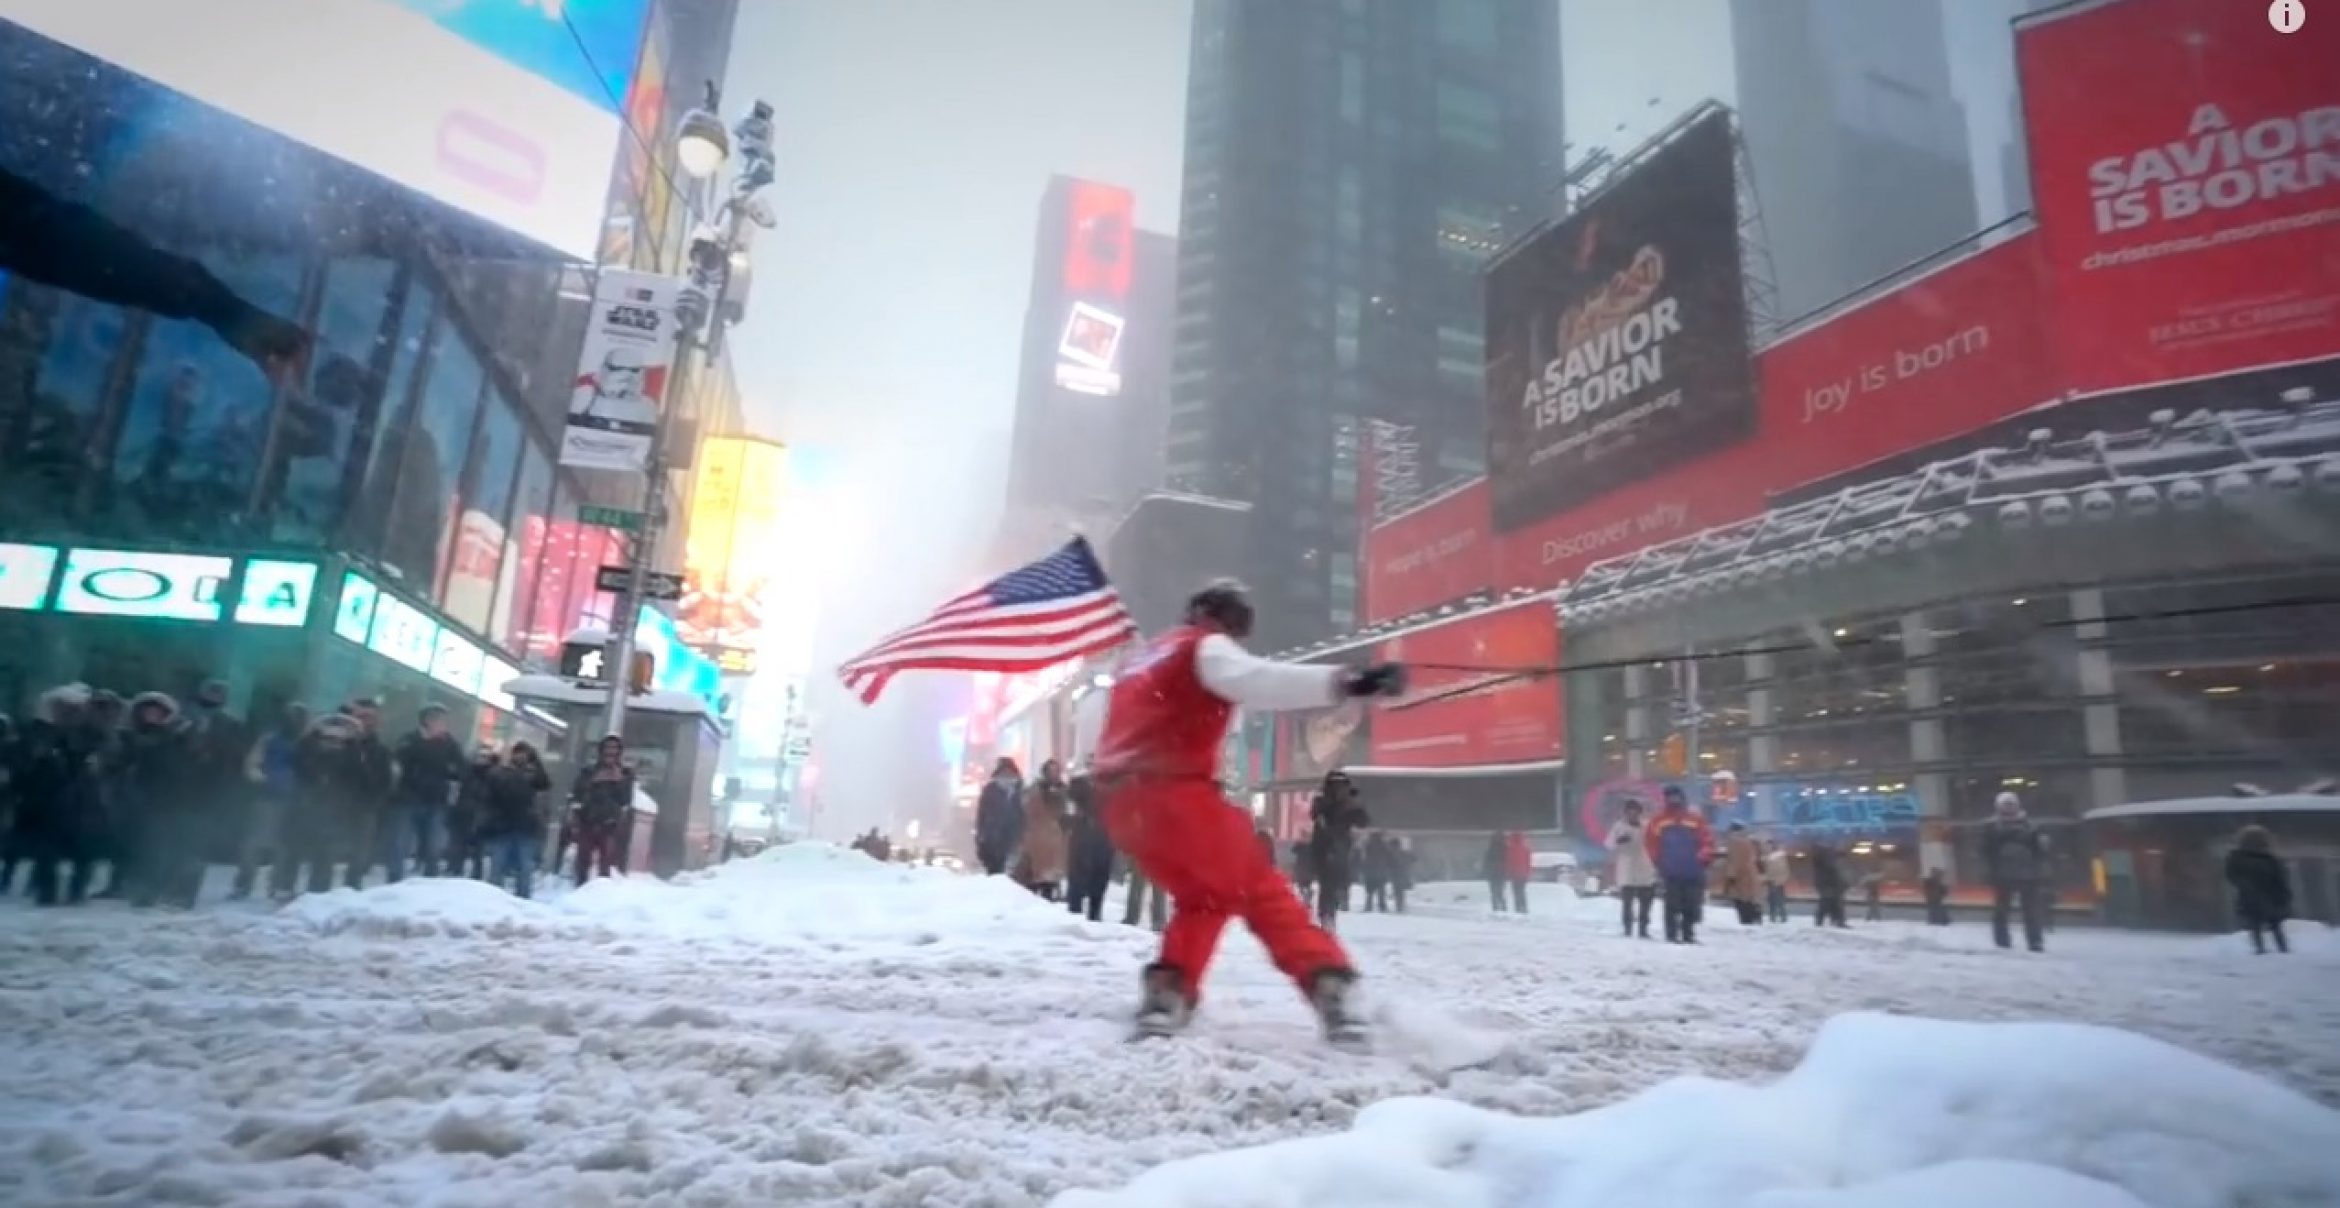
(1957, 347)
(1436, 553)
(1100, 242)
(2185, 165)
(1508, 721)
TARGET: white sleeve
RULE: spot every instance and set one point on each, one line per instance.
(1243, 679)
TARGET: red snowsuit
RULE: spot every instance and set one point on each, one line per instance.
(1157, 766)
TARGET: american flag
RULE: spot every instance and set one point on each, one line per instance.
(1056, 609)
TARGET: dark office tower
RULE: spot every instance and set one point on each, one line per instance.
(1094, 388)
(1859, 148)
(1349, 167)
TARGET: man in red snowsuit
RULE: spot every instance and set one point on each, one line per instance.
(1157, 765)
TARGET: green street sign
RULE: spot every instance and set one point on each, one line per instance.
(613, 518)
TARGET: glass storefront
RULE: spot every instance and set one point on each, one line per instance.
(252, 346)
(1902, 728)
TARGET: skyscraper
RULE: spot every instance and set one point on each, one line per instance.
(1859, 148)
(1093, 387)
(1349, 167)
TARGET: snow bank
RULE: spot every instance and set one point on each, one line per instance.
(802, 893)
(1883, 1112)
(424, 906)
(2310, 940)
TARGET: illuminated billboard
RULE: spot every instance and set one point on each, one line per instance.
(1100, 253)
(503, 109)
(1617, 338)
(732, 551)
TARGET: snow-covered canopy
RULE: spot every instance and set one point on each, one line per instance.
(2274, 803)
(559, 691)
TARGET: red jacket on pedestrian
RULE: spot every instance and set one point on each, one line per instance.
(1519, 860)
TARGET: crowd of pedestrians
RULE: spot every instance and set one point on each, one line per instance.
(151, 794)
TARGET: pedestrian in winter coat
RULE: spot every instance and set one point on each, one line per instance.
(1743, 874)
(1873, 896)
(1493, 871)
(466, 854)
(102, 726)
(2262, 887)
(604, 797)
(1401, 870)
(160, 821)
(1332, 845)
(1089, 869)
(1519, 867)
(431, 767)
(1304, 873)
(217, 743)
(344, 775)
(1828, 885)
(53, 775)
(999, 818)
(1937, 891)
(1041, 864)
(1632, 869)
(270, 770)
(1681, 846)
(1376, 870)
(1775, 882)
(2014, 853)
(511, 820)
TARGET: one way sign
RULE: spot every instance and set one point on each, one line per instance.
(657, 585)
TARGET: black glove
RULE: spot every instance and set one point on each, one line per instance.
(1380, 679)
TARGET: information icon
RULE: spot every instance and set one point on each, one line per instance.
(2287, 16)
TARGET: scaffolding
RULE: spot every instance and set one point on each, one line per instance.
(1397, 467)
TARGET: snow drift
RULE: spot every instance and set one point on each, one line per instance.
(804, 893)
(1883, 1111)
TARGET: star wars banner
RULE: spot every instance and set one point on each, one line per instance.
(622, 372)
(1617, 339)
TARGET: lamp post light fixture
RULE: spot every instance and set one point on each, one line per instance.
(706, 303)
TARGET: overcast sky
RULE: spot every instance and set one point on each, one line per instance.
(914, 139)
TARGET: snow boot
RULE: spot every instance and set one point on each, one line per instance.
(1164, 1009)
(1333, 994)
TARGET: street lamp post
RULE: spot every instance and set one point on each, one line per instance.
(701, 149)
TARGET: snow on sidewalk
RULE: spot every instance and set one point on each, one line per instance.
(812, 1027)
(1884, 1112)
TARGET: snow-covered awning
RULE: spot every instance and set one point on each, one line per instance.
(559, 691)
(2275, 803)
(2138, 476)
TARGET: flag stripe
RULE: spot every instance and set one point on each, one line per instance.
(1001, 618)
(1098, 629)
(1059, 608)
(1102, 633)
(1009, 631)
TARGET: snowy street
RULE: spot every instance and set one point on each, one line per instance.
(809, 1027)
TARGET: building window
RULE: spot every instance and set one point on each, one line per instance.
(394, 423)
(1471, 26)
(1469, 116)
(1348, 322)
(1352, 88)
(1349, 206)
(523, 564)
(422, 512)
(477, 552)
(1462, 356)
(1468, 233)
(319, 430)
